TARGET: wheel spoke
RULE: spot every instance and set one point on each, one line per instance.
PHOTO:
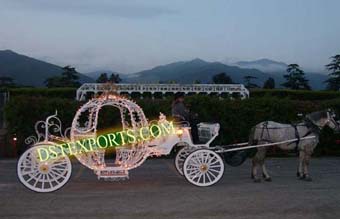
(194, 162)
(52, 177)
(57, 174)
(199, 178)
(207, 158)
(37, 179)
(212, 174)
(58, 164)
(196, 174)
(49, 180)
(213, 161)
(28, 172)
(43, 181)
(213, 170)
(194, 171)
(216, 165)
(33, 176)
(58, 168)
(208, 176)
(201, 158)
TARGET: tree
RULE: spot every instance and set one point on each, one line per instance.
(295, 79)
(248, 83)
(54, 82)
(222, 78)
(269, 83)
(115, 78)
(69, 78)
(6, 81)
(333, 83)
(102, 78)
(172, 82)
(196, 82)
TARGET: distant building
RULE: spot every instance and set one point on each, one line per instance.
(90, 89)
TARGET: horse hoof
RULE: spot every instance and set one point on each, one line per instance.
(298, 174)
(302, 177)
(268, 179)
(257, 180)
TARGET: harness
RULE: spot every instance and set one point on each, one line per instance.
(265, 127)
(297, 136)
(312, 128)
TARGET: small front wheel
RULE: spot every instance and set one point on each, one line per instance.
(43, 176)
(203, 167)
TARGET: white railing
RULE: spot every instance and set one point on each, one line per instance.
(96, 88)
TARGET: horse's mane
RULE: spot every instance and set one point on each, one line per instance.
(315, 116)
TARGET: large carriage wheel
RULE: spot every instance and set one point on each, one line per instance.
(43, 176)
(203, 167)
(181, 155)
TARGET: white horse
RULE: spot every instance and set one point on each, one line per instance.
(271, 132)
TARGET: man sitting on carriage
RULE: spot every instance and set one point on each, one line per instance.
(181, 113)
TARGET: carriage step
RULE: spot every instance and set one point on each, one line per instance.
(113, 175)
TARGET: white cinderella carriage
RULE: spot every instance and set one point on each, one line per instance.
(202, 167)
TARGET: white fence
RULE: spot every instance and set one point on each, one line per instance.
(219, 89)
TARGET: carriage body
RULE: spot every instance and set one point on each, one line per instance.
(43, 177)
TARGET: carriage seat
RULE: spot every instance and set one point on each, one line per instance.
(207, 130)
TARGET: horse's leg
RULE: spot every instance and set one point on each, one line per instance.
(257, 162)
(265, 173)
(254, 170)
(301, 164)
(308, 155)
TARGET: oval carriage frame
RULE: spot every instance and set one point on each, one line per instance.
(95, 159)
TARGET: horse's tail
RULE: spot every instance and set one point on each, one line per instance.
(251, 140)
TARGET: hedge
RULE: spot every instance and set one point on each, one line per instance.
(44, 92)
(236, 117)
(295, 94)
(280, 93)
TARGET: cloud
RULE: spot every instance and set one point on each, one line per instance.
(124, 9)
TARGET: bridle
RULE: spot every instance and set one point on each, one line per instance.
(330, 119)
(317, 128)
(314, 128)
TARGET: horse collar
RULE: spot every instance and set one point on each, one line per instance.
(312, 126)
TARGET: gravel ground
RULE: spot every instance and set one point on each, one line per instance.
(155, 190)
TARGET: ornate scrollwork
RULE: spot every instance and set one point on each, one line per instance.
(47, 130)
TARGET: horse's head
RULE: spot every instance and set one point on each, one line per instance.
(332, 123)
(324, 118)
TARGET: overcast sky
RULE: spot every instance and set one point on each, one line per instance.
(132, 35)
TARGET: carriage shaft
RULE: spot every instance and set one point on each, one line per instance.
(221, 149)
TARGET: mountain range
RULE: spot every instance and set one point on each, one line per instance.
(189, 71)
(28, 71)
(264, 65)
(198, 69)
(32, 72)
